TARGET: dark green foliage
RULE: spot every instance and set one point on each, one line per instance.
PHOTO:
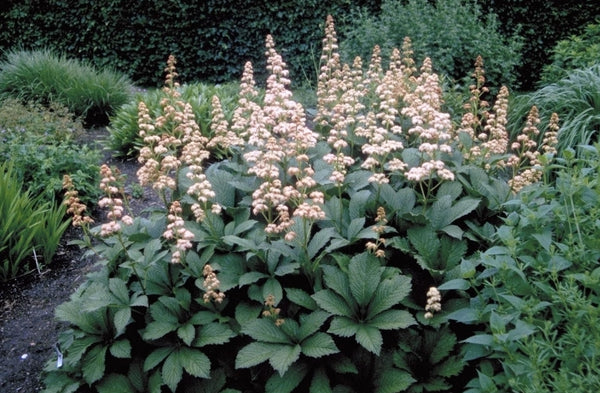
(211, 39)
(542, 25)
(451, 32)
(576, 52)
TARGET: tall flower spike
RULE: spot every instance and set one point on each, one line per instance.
(74, 205)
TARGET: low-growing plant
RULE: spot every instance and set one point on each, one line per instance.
(124, 139)
(41, 144)
(536, 290)
(576, 52)
(453, 33)
(46, 77)
(300, 259)
(576, 100)
(30, 227)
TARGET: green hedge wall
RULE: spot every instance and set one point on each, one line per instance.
(542, 23)
(212, 39)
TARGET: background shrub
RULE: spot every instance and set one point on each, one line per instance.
(451, 32)
(40, 143)
(46, 77)
(575, 52)
(542, 25)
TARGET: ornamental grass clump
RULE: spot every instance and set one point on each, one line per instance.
(294, 259)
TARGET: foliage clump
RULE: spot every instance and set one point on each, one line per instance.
(288, 258)
(45, 77)
(575, 52)
(450, 32)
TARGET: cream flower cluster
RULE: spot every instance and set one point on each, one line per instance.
(110, 184)
(277, 142)
(177, 232)
(434, 302)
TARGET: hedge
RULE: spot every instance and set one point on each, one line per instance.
(211, 39)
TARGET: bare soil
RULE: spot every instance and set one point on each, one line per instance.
(28, 329)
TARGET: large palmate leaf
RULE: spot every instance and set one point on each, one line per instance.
(362, 300)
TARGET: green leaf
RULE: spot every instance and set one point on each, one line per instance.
(343, 327)
(456, 284)
(251, 278)
(256, 353)
(443, 213)
(285, 357)
(287, 382)
(119, 289)
(121, 320)
(364, 274)
(186, 333)
(319, 240)
(265, 330)
(390, 292)
(115, 383)
(156, 357)
(320, 382)
(393, 319)
(333, 303)
(354, 228)
(337, 280)
(318, 345)
(370, 338)
(358, 203)
(272, 287)
(450, 367)
(301, 298)
(393, 380)
(194, 362)
(245, 312)
(172, 371)
(464, 315)
(158, 329)
(426, 242)
(121, 349)
(311, 323)
(93, 364)
(213, 334)
(453, 231)
(242, 244)
(343, 365)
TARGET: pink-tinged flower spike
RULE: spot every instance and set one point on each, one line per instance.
(111, 185)
(211, 286)
(177, 232)
(431, 129)
(329, 87)
(222, 137)
(496, 142)
(526, 154)
(74, 205)
(551, 135)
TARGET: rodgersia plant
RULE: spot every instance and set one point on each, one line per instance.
(291, 259)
